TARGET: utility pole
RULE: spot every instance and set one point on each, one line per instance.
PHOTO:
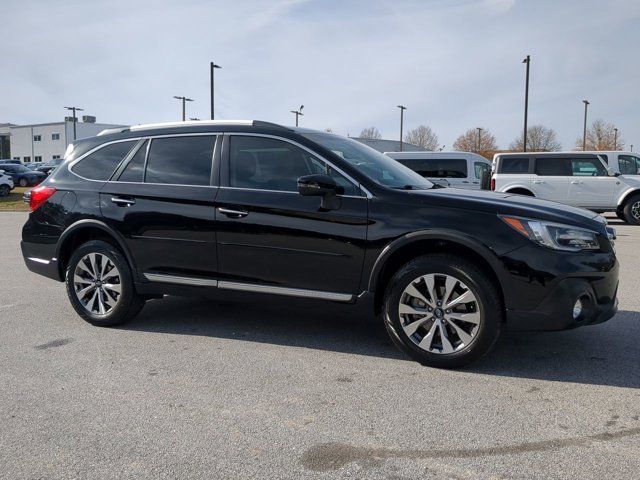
(184, 103)
(402, 109)
(298, 113)
(212, 67)
(584, 131)
(615, 139)
(479, 139)
(75, 119)
(527, 60)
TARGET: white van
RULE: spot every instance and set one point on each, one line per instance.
(627, 163)
(449, 169)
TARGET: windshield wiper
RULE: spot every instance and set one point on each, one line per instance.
(406, 187)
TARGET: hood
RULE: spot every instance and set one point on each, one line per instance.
(508, 203)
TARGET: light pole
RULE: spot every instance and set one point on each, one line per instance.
(75, 120)
(184, 103)
(402, 109)
(212, 67)
(584, 131)
(615, 139)
(479, 139)
(527, 60)
(298, 113)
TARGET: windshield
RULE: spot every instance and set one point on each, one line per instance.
(371, 163)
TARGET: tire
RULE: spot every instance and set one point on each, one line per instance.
(101, 304)
(485, 311)
(23, 182)
(4, 190)
(620, 215)
(631, 210)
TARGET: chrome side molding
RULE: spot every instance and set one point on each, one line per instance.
(197, 282)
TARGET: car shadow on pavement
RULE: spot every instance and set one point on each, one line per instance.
(606, 354)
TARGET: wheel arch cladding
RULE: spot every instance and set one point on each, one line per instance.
(406, 248)
(87, 230)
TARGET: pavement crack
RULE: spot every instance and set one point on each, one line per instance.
(333, 456)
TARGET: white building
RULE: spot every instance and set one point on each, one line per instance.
(46, 141)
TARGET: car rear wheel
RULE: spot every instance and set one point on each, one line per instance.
(443, 311)
(100, 286)
(4, 190)
(632, 210)
(23, 182)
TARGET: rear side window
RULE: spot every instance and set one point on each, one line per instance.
(134, 171)
(101, 164)
(437, 167)
(629, 164)
(480, 167)
(514, 165)
(550, 167)
(180, 160)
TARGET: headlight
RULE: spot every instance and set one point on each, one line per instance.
(554, 235)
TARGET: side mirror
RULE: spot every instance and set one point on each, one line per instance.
(612, 172)
(318, 185)
(324, 186)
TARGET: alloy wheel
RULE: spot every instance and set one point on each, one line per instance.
(635, 210)
(439, 313)
(97, 283)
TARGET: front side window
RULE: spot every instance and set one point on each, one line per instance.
(270, 164)
(517, 165)
(480, 167)
(371, 163)
(181, 160)
(586, 167)
(552, 167)
(629, 164)
(100, 164)
(437, 167)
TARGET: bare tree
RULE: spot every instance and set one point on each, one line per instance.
(468, 142)
(422, 136)
(371, 133)
(601, 135)
(539, 139)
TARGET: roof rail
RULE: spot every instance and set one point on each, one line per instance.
(261, 123)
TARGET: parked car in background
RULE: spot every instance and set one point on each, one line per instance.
(49, 166)
(10, 160)
(448, 169)
(34, 165)
(194, 208)
(21, 175)
(627, 163)
(574, 178)
(6, 183)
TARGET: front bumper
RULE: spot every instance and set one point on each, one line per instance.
(555, 311)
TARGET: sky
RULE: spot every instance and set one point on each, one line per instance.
(455, 64)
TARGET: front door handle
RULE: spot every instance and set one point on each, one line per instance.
(538, 181)
(576, 182)
(231, 213)
(123, 202)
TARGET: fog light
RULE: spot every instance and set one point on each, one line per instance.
(577, 309)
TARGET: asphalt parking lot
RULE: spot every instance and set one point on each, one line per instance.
(255, 387)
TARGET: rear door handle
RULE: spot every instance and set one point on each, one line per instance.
(576, 182)
(538, 181)
(123, 202)
(231, 213)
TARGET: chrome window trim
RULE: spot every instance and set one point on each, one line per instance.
(142, 137)
(291, 292)
(282, 191)
(308, 150)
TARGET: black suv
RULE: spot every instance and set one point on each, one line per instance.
(191, 208)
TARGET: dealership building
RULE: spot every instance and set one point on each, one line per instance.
(45, 141)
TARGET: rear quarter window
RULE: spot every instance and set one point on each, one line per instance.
(101, 164)
(517, 165)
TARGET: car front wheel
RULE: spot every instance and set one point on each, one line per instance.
(443, 311)
(100, 286)
(23, 182)
(631, 210)
(4, 190)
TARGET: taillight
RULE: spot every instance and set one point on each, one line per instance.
(39, 195)
(493, 184)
